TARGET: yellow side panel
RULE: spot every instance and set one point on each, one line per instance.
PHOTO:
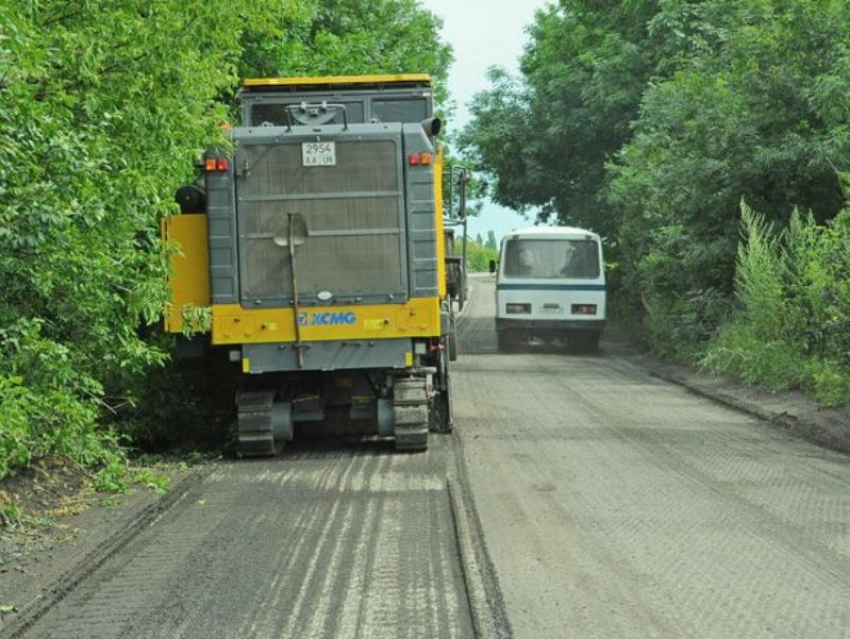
(438, 224)
(338, 79)
(420, 317)
(189, 276)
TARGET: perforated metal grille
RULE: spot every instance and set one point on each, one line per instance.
(352, 210)
(276, 114)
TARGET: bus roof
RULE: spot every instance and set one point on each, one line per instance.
(335, 81)
(551, 232)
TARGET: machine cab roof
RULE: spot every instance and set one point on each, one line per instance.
(405, 97)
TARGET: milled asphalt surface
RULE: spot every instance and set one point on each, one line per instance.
(611, 504)
(617, 505)
(329, 540)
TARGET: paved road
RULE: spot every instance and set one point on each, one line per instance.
(616, 505)
(612, 505)
(348, 540)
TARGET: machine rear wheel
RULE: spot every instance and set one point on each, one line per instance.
(412, 442)
(411, 414)
(263, 425)
(451, 344)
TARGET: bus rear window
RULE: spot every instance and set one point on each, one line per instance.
(552, 259)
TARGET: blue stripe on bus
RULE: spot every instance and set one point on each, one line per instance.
(551, 287)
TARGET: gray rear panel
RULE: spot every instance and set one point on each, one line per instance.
(372, 236)
(328, 356)
(355, 214)
(221, 216)
(422, 235)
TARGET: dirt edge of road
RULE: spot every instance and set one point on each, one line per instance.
(56, 591)
(793, 411)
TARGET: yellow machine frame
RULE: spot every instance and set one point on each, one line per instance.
(189, 276)
(189, 273)
(253, 83)
(408, 401)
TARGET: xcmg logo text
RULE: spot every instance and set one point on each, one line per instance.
(327, 319)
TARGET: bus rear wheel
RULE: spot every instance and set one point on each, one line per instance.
(584, 341)
(508, 341)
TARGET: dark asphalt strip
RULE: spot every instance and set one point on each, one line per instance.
(59, 590)
(486, 604)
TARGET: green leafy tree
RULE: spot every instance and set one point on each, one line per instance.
(104, 107)
(351, 37)
(478, 256)
(745, 114)
(649, 121)
(544, 139)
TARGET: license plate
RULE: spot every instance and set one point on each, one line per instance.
(318, 153)
(552, 309)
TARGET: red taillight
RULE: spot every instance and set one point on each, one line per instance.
(435, 346)
(420, 159)
(514, 309)
(584, 309)
(217, 164)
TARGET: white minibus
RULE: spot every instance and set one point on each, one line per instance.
(550, 285)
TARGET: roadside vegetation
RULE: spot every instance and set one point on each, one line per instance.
(479, 252)
(650, 122)
(791, 327)
(104, 108)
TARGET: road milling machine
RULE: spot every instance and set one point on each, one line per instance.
(311, 252)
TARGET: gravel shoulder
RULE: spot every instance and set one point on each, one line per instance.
(793, 411)
(65, 526)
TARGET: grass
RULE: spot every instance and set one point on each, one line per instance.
(54, 489)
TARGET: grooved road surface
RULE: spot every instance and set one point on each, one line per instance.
(616, 505)
(613, 505)
(351, 540)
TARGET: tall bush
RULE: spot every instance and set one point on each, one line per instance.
(104, 108)
(761, 276)
(790, 329)
(650, 120)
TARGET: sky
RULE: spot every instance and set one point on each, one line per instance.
(483, 33)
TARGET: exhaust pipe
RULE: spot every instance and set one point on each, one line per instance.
(192, 198)
(432, 126)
